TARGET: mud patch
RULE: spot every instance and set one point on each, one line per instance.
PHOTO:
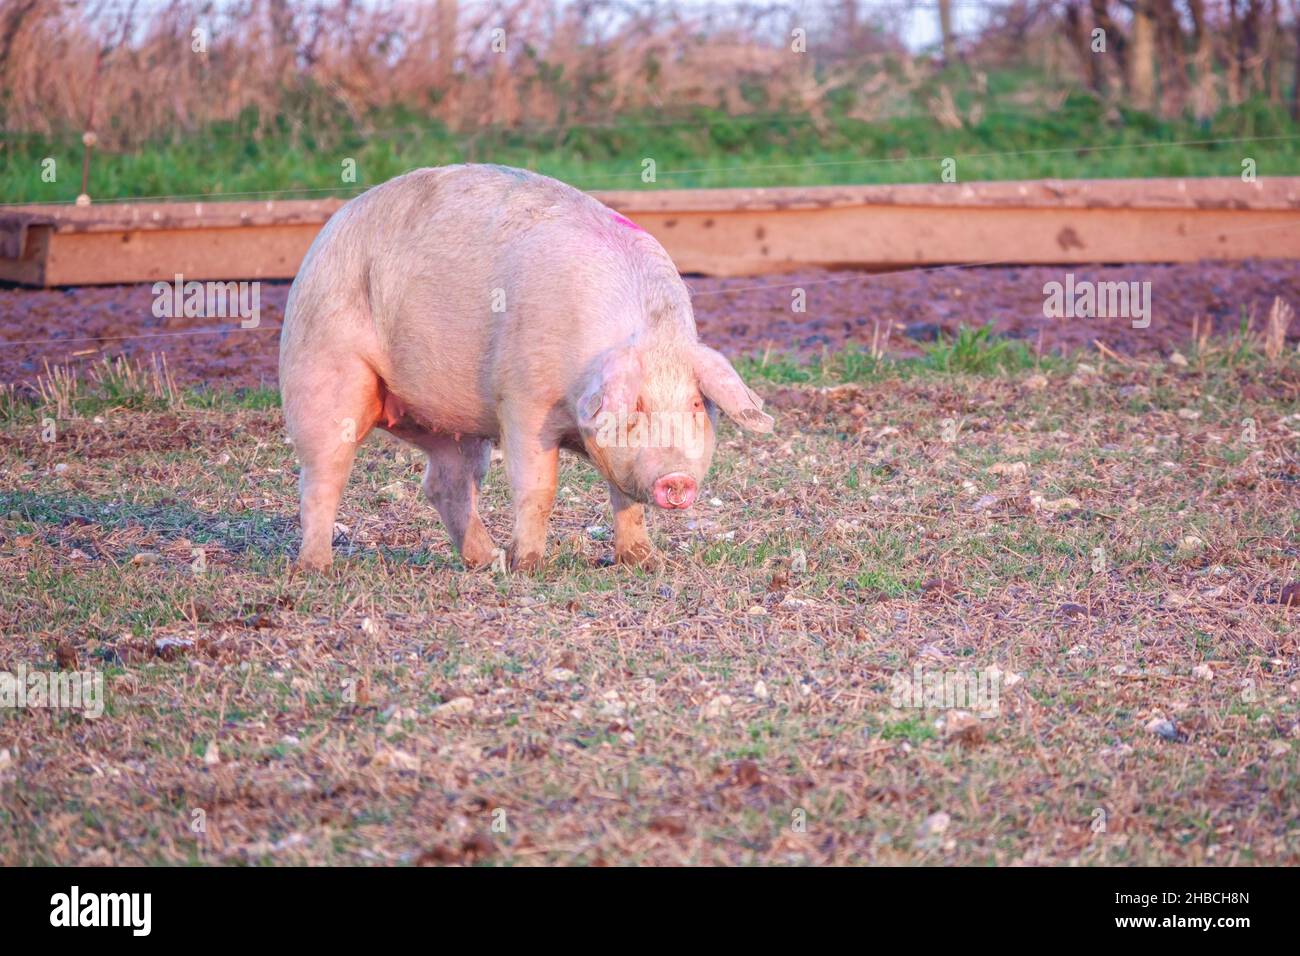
(904, 310)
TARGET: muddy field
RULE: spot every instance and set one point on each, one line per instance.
(740, 316)
(1106, 546)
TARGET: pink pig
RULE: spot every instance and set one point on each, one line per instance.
(465, 305)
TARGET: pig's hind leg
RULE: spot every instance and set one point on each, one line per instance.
(451, 483)
(327, 413)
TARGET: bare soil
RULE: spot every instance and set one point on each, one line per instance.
(744, 315)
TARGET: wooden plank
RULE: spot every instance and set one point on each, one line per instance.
(1227, 192)
(754, 243)
(727, 232)
(24, 250)
(149, 255)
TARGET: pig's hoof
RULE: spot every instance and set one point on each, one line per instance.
(476, 562)
(526, 563)
(312, 562)
(641, 556)
(478, 550)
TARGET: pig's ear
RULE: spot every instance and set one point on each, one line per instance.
(721, 385)
(612, 388)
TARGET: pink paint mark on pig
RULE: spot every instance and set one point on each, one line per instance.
(624, 221)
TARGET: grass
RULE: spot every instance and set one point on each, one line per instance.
(734, 707)
(970, 351)
(705, 148)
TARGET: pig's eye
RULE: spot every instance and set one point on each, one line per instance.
(697, 405)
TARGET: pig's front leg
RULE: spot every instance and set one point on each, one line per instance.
(631, 544)
(532, 466)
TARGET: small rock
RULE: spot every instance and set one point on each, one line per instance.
(717, 707)
(1203, 672)
(936, 824)
(1177, 358)
(212, 754)
(164, 646)
(1039, 503)
(1011, 469)
(457, 705)
(561, 675)
(760, 689)
(1162, 728)
(612, 707)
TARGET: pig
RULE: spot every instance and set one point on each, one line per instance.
(462, 306)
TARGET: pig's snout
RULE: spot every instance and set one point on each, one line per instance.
(675, 491)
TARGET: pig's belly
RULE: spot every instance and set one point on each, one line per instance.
(434, 378)
(435, 404)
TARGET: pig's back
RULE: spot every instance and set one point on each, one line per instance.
(478, 274)
(459, 232)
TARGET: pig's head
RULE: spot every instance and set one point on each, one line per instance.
(647, 416)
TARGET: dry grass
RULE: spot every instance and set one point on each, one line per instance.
(397, 709)
(148, 75)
